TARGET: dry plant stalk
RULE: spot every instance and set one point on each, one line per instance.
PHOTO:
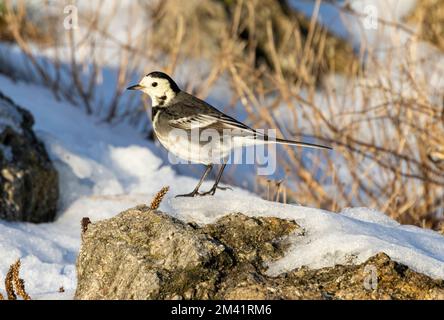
(78, 87)
(84, 224)
(9, 284)
(19, 283)
(1, 297)
(14, 284)
(277, 192)
(157, 200)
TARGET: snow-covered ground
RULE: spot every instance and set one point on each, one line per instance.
(106, 169)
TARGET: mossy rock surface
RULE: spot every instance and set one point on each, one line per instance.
(146, 254)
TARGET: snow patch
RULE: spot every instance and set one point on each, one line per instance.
(329, 238)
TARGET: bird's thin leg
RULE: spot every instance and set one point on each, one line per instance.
(212, 191)
(195, 192)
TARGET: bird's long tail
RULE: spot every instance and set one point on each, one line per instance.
(255, 137)
(300, 144)
(261, 138)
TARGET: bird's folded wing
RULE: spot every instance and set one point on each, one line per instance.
(206, 118)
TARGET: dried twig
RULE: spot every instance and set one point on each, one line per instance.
(19, 283)
(158, 198)
(9, 284)
(14, 285)
(84, 223)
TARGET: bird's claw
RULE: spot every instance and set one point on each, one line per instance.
(212, 191)
(196, 193)
(189, 195)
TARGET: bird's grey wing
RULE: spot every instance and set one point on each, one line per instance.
(191, 122)
(199, 115)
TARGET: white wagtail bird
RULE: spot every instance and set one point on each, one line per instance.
(175, 114)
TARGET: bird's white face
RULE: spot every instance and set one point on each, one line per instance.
(159, 90)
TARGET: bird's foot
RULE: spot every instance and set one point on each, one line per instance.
(196, 193)
(189, 195)
(212, 191)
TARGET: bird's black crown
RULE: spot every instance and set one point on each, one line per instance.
(161, 75)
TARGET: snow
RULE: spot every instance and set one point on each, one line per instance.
(379, 34)
(105, 169)
(372, 23)
(353, 235)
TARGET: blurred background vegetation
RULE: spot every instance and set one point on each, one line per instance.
(381, 109)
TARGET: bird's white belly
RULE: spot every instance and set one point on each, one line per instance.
(194, 151)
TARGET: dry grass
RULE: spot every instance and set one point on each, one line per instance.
(157, 200)
(388, 133)
(14, 285)
(9, 284)
(84, 223)
(27, 30)
(78, 87)
(429, 15)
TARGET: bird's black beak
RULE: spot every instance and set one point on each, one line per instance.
(135, 87)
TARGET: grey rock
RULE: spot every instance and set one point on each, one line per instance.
(145, 254)
(28, 180)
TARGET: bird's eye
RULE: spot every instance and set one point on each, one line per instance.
(154, 84)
